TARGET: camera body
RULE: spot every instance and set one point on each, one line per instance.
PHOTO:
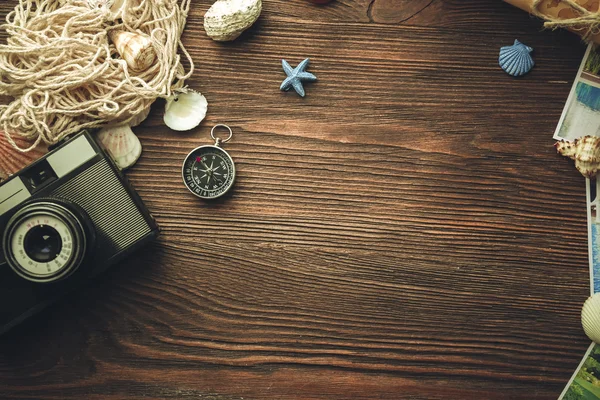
(63, 220)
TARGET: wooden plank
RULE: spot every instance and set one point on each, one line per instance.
(405, 231)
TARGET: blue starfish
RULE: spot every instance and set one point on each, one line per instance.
(296, 76)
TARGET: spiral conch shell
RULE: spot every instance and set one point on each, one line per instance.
(225, 20)
(590, 317)
(135, 48)
(586, 153)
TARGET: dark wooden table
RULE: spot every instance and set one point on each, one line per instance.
(406, 231)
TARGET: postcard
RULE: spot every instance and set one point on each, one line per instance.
(585, 382)
(593, 218)
(581, 115)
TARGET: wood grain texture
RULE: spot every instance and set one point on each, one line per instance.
(406, 231)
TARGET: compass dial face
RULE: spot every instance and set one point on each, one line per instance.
(208, 172)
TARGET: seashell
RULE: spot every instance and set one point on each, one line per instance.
(135, 48)
(185, 110)
(516, 60)
(121, 144)
(590, 317)
(225, 20)
(13, 160)
(115, 7)
(586, 153)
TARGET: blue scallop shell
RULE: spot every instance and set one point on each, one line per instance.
(516, 60)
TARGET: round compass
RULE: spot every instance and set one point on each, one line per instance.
(209, 171)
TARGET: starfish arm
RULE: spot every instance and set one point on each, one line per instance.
(287, 84)
(303, 65)
(298, 87)
(307, 76)
(287, 68)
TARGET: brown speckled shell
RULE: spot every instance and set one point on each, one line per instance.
(586, 153)
(136, 49)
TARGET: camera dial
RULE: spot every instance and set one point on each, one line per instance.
(45, 241)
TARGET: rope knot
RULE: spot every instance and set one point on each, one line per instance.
(585, 20)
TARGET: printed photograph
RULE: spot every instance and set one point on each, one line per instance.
(585, 383)
(593, 200)
(591, 66)
(582, 116)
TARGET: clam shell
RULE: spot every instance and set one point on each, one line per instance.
(185, 110)
(13, 160)
(121, 144)
(590, 317)
(516, 60)
(135, 48)
(586, 153)
(225, 20)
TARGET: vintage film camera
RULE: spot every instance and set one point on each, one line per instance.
(63, 220)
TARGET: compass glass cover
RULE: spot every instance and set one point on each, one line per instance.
(208, 172)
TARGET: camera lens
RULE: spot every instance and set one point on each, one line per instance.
(47, 240)
(42, 243)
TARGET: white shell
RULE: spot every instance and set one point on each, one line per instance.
(115, 7)
(590, 317)
(121, 144)
(185, 110)
(225, 20)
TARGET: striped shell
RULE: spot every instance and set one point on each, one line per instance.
(136, 49)
(12, 160)
(590, 317)
(516, 60)
(586, 153)
(122, 145)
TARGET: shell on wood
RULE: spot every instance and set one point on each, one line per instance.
(185, 110)
(121, 144)
(225, 20)
(590, 317)
(13, 160)
(586, 153)
(516, 60)
(135, 48)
